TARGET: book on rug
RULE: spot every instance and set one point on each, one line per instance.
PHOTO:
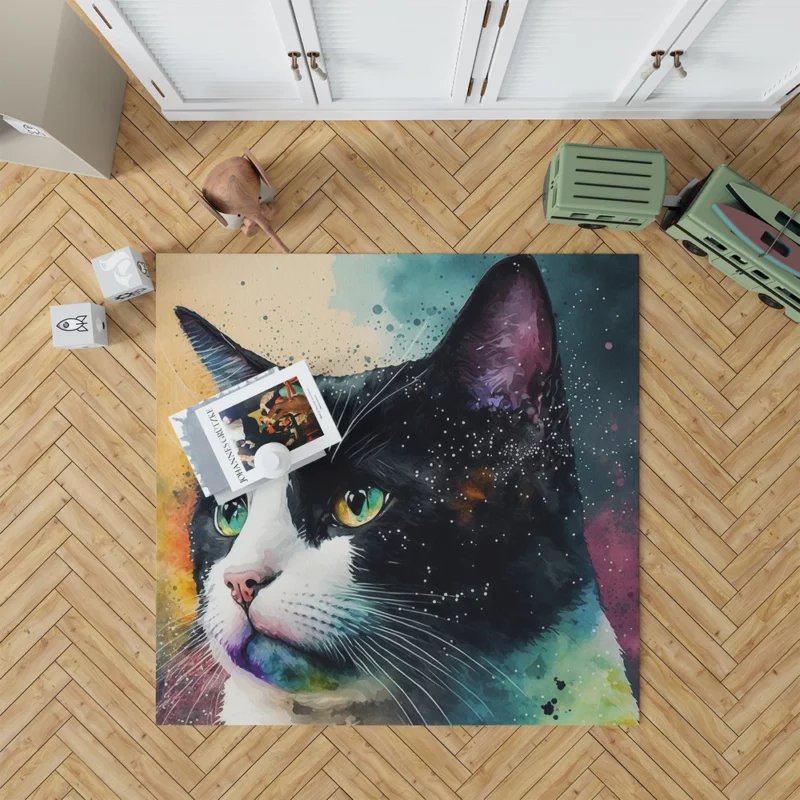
(222, 434)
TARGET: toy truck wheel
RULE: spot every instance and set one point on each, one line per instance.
(693, 248)
(592, 226)
(769, 301)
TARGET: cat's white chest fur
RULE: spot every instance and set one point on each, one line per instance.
(246, 700)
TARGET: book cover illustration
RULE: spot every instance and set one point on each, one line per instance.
(222, 434)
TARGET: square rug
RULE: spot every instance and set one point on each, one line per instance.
(468, 554)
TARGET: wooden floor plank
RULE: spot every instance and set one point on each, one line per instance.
(395, 192)
(107, 440)
(144, 153)
(12, 176)
(429, 171)
(688, 743)
(23, 240)
(639, 764)
(437, 143)
(510, 182)
(109, 624)
(25, 199)
(766, 617)
(769, 724)
(370, 220)
(31, 266)
(209, 135)
(495, 150)
(683, 555)
(695, 602)
(85, 782)
(159, 131)
(142, 187)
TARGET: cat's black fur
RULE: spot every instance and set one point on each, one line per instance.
(472, 445)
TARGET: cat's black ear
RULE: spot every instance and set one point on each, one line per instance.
(502, 345)
(228, 362)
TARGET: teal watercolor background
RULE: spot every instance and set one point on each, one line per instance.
(595, 299)
(596, 302)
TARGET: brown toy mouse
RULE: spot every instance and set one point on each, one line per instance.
(232, 192)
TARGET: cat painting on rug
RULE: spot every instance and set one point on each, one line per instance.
(433, 568)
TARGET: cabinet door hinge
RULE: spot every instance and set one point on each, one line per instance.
(503, 15)
(483, 88)
(469, 88)
(486, 13)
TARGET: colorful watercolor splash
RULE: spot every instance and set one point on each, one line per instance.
(360, 314)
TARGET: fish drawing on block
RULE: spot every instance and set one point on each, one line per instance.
(77, 324)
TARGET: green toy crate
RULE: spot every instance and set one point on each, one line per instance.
(702, 232)
(598, 187)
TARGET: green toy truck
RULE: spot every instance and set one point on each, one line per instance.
(598, 187)
(701, 231)
(605, 187)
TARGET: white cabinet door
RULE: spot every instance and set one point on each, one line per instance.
(390, 55)
(196, 55)
(735, 51)
(554, 54)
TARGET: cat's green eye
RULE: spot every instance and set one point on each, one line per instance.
(230, 517)
(356, 507)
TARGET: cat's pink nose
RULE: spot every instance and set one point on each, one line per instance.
(244, 584)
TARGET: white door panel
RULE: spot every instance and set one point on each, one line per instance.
(388, 53)
(746, 52)
(580, 51)
(207, 53)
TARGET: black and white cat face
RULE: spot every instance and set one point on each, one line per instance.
(445, 529)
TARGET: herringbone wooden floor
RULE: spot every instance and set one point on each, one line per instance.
(720, 440)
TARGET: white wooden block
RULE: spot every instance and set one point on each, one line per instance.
(122, 274)
(78, 325)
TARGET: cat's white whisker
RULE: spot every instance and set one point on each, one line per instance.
(388, 615)
(182, 653)
(370, 453)
(214, 674)
(170, 634)
(183, 631)
(182, 685)
(355, 660)
(336, 404)
(369, 609)
(361, 445)
(344, 407)
(166, 668)
(433, 678)
(421, 625)
(184, 647)
(394, 681)
(367, 407)
(415, 683)
(375, 590)
(417, 651)
(176, 622)
(488, 671)
(198, 639)
(373, 404)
